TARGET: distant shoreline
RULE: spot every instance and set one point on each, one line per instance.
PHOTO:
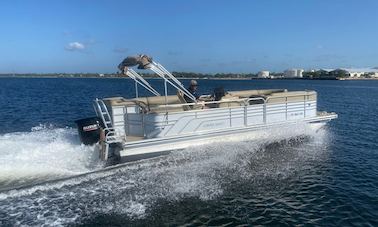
(184, 78)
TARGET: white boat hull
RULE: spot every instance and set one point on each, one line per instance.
(284, 130)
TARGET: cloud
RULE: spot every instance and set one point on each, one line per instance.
(75, 46)
(120, 50)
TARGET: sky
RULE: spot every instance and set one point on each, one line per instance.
(207, 36)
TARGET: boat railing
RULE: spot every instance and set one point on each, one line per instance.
(242, 102)
(245, 103)
(144, 122)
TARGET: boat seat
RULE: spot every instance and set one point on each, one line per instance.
(164, 109)
(156, 104)
(120, 101)
(249, 93)
(231, 101)
(292, 96)
(180, 96)
(159, 100)
(194, 106)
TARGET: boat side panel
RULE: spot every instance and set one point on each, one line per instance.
(134, 124)
(255, 114)
(118, 114)
(219, 118)
(169, 144)
(176, 123)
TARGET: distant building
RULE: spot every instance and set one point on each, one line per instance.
(293, 73)
(373, 74)
(263, 74)
(356, 72)
(324, 70)
(276, 75)
(290, 73)
(300, 73)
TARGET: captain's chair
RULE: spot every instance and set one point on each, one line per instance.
(180, 95)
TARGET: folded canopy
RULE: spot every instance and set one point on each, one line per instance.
(142, 61)
(146, 62)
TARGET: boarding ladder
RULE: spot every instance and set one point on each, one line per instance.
(102, 111)
(110, 133)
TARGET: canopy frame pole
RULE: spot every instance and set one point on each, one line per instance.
(144, 83)
(166, 100)
(143, 80)
(166, 72)
(177, 83)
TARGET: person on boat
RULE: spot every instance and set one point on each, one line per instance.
(193, 85)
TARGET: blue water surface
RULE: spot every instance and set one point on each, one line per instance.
(326, 183)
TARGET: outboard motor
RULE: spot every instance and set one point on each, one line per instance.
(89, 130)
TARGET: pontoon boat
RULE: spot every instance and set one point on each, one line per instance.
(127, 129)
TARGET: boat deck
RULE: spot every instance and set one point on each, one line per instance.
(134, 138)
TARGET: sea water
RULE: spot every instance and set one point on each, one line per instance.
(325, 177)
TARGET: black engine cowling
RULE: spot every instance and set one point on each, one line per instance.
(89, 130)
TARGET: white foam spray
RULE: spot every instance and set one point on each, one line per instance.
(42, 154)
(203, 172)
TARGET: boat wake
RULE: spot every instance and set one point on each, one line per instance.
(43, 154)
(134, 190)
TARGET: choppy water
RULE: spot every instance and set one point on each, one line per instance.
(329, 177)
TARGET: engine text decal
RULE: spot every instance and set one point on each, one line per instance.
(90, 128)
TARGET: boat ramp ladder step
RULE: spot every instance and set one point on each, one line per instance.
(102, 111)
(111, 136)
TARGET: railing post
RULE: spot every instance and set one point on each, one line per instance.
(286, 108)
(264, 112)
(126, 117)
(304, 106)
(143, 125)
(229, 108)
(245, 113)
